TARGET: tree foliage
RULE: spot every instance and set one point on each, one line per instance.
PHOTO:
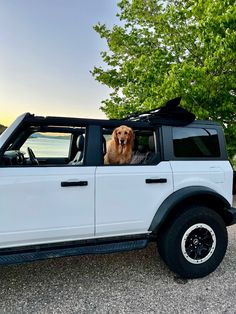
(164, 49)
(2, 128)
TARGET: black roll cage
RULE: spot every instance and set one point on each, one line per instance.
(158, 119)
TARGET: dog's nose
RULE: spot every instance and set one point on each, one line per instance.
(122, 142)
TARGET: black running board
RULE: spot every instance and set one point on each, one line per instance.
(37, 254)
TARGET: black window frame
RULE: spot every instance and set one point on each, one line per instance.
(168, 146)
(163, 133)
(157, 138)
(25, 130)
(196, 143)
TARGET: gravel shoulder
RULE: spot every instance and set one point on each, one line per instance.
(133, 282)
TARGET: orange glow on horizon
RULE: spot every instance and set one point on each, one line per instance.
(8, 117)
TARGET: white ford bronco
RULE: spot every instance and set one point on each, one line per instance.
(57, 198)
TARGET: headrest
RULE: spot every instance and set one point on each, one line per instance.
(80, 142)
(142, 148)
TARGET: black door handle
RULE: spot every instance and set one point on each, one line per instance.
(161, 180)
(74, 183)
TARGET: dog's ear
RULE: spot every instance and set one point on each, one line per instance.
(132, 135)
(114, 135)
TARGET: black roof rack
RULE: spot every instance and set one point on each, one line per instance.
(170, 114)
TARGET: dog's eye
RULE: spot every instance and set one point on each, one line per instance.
(119, 133)
(126, 132)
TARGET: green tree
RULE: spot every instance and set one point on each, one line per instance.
(164, 49)
(2, 128)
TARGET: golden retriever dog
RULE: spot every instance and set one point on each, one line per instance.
(120, 147)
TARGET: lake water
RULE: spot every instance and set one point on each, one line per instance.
(47, 147)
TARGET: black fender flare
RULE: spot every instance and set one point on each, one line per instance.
(182, 196)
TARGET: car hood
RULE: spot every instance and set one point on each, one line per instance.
(7, 133)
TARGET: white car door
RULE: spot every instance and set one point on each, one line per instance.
(36, 207)
(127, 197)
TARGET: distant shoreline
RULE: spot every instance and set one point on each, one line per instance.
(59, 137)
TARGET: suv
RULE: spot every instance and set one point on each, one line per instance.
(57, 198)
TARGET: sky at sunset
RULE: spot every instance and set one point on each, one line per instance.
(47, 50)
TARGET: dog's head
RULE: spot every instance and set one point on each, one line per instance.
(123, 135)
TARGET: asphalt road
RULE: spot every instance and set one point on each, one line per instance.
(133, 282)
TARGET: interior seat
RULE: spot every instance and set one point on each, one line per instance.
(80, 151)
(146, 154)
(154, 156)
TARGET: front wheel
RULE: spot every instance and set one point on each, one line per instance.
(194, 243)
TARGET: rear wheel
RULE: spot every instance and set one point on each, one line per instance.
(194, 243)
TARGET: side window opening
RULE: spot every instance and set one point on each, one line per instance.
(61, 146)
(48, 145)
(144, 147)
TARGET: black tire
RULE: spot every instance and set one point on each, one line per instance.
(194, 243)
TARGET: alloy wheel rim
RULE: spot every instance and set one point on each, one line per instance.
(198, 243)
